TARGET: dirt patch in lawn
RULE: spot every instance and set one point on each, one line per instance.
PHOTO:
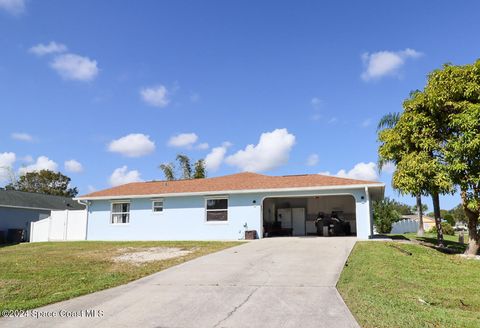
(144, 255)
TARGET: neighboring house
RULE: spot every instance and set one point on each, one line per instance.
(428, 222)
(409, 223)
(223, 208)
(18, 209)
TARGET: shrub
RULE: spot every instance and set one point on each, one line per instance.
(446, 227)
(385, 214)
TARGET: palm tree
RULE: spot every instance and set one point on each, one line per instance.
(198, 170)
(388, 121)
(185, 165)
(168, 170)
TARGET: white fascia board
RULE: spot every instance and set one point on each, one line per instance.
(229, 192)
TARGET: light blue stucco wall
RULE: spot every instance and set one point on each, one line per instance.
(183, 217)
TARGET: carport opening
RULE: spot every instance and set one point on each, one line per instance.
(309, 216)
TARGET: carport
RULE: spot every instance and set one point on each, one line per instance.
(297, 216)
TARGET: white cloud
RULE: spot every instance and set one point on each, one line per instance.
(14, 7)
(132, 145)
(361, 171)
(73, 166)
(46, 49)
(122, 175)
(203, 146)
(91, 188)
(42, 163)
(386, 63)
(312, 160)
(216, 156)
(389, 168)
(21, 136)
(156, 96)
(27, 159)
(75, 67)
(183, 140)
(272, 151)
(7, 159)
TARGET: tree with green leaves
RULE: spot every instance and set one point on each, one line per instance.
(199, 170)
(188, 171)
(453, 99)
(414, 145)
(385, 214)
(424, 208)
(458, 213)
(389, 121)
(44, 182)
(168, 170)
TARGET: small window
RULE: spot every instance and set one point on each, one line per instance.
(120, 213)
(157, 206)
(217, 209)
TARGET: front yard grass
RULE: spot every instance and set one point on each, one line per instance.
(386, 287)
(36, 274)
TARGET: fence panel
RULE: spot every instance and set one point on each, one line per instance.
(404, 226)
(60, 226)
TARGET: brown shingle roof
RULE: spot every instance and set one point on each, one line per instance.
(239, 181)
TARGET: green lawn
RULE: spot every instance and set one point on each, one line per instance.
(36, 274)
(385, 287)
(449, 241)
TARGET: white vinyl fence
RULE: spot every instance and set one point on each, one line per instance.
(60, 226)
(404, 226)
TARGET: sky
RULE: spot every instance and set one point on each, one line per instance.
(105, 92)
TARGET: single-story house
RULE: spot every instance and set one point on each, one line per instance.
(18, 209)
(428, 222)
(224, 208)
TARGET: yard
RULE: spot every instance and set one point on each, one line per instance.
(391, 284)
(36, 274)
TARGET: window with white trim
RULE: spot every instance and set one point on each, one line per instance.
(157, 205)
(120, 213)
(216, 209)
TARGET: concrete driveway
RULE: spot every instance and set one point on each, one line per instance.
(276, 282)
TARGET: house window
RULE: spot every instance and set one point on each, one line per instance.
(120, 213)
(217, 209)
(157, 206)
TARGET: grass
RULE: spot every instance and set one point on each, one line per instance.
(449, 241)
(36, 274)
(386, 287)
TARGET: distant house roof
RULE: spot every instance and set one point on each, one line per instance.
(233, 183)
(21, 199)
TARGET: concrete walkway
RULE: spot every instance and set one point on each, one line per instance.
(276, 282)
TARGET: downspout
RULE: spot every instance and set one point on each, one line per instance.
(86, 225)
(370, 223)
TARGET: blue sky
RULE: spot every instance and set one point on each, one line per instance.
(116, 89)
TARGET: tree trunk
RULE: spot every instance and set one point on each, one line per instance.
(473, 235)
(438, 220)
(420, 231)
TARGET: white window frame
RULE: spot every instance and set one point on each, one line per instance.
(111, 212)
(153, 205)
(227, 209)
